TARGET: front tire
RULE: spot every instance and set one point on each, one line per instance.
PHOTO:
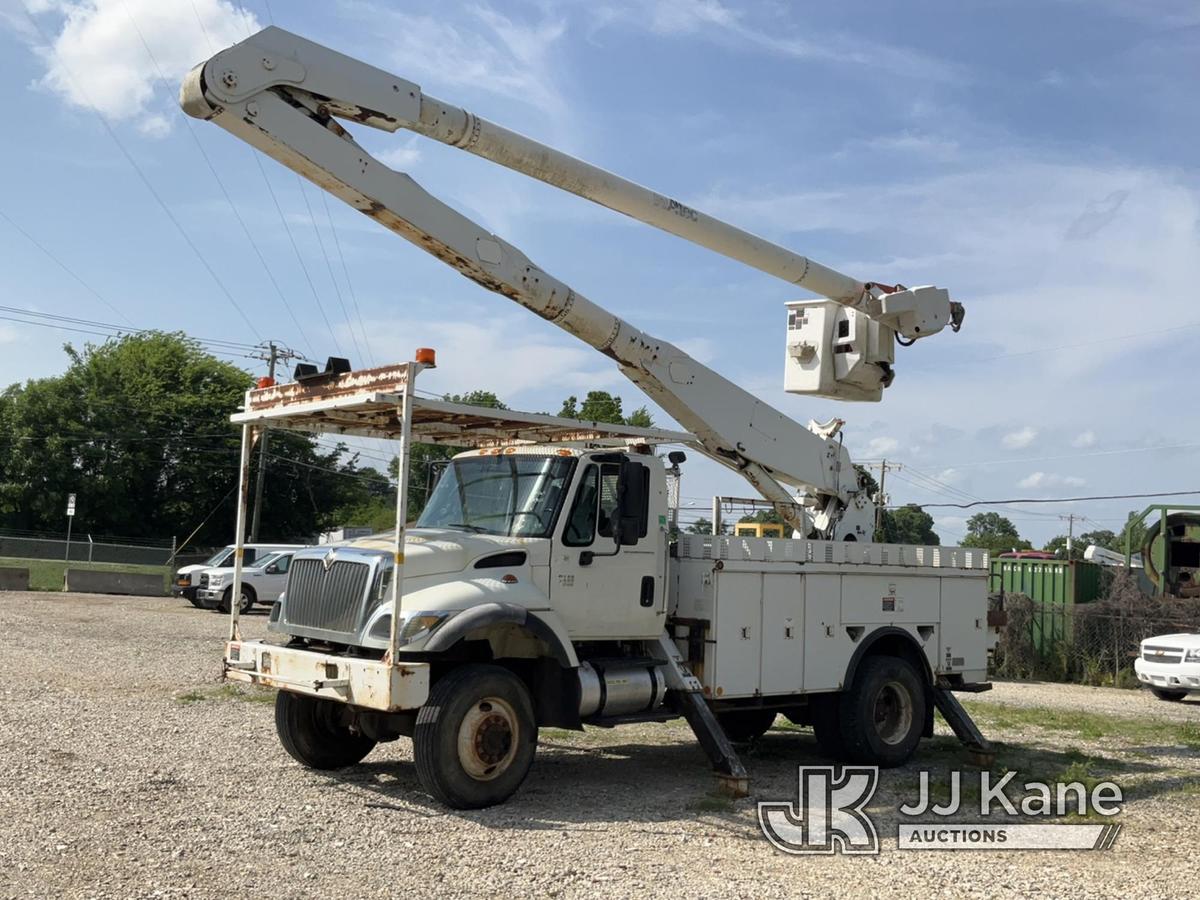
(245, 601)
(475, 737)
(312, 732)
(1169, 696)
(883, 714)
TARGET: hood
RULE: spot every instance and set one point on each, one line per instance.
(1183, 640)
(192, 569)
(440, 551)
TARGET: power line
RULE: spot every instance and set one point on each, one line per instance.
(349, 284)
(337, 291)
(1058, 499)
(221, 184)
(145, 181)
(58, 262)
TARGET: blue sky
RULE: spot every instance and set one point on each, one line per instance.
(1037, 159)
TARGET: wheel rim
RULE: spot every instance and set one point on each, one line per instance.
(893, 713)
(244, 602)
(487, 739)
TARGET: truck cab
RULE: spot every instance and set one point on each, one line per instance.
(534, 527)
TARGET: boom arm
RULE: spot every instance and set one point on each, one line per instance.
(283, 95)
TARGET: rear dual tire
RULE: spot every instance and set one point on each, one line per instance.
(879, 720)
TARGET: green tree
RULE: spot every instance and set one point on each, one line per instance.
(138, 428)
(601, 406)
(908, 525)
(994, 533)
(1101, 537)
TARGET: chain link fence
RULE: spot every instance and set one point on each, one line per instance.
(1088, 643)
(85, 548)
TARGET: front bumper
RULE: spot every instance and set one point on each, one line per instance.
(358, 682)
(1171, 676)
(209, 598)
(188, 592)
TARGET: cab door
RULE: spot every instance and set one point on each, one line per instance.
(600, 593)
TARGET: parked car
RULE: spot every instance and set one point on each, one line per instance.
(262, 582)
(1170, 665)
(186, 583)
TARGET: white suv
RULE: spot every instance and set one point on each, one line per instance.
(1170, 665)
(262, 582)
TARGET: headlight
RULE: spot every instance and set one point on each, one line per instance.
(216, 580)
(416, 628)
(1193, 655)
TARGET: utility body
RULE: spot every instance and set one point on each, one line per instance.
(543, 584)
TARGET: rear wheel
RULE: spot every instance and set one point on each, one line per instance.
(313, 732)
(1169, 696)
(741, 725)
(475, 737)
(883, 714)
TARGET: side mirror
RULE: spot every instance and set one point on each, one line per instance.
(632, 501)
(272, 569)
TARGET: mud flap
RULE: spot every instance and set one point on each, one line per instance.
(689, 695)
(979, 748)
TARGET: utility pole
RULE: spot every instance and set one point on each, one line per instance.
(881, 498)
(1070, 532)
(272, 353)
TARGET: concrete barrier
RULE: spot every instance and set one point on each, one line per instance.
(88, 581)
(14, 579)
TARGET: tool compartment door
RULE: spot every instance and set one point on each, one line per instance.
(738, 634)
(782, 634)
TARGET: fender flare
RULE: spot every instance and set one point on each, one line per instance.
(874, 638)
(496, 613)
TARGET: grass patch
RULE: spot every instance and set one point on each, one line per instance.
(48, 574)
(226, 692)
(1086, 725)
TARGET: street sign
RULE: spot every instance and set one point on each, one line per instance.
(70, 504)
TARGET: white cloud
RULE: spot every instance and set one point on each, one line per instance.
(881, 445)
(950, 476)
(489, 52)
(1084, 439)
(502, 352)
(1049, 480)
(8, 334)
(401, 157)
(1016, 440)
(112, 55)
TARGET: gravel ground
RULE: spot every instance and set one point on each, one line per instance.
(128, 770)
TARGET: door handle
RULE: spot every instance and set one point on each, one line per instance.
(647, 590)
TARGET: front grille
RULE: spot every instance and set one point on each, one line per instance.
(329, 599)
(203, 579)
(1162, 654)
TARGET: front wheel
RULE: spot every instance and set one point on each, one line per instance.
(475, 737)
(313, 732)
(1169, 696)
(882, 715)
(245, 600)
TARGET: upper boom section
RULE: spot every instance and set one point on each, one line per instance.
(283, 95)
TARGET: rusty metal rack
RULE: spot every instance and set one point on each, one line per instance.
(382, 403)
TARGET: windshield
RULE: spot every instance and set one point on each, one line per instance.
(219, 558)
(512, 495)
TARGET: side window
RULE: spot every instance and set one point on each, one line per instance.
(248, 554)
(609, 475)
(581, 524)
(282, 564)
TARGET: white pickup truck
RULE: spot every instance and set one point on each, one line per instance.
(1170, 665)
(262, 582)
(187, 580)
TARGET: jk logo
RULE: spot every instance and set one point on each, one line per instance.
(829, 815)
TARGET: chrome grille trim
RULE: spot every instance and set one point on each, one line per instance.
(1162, 654)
